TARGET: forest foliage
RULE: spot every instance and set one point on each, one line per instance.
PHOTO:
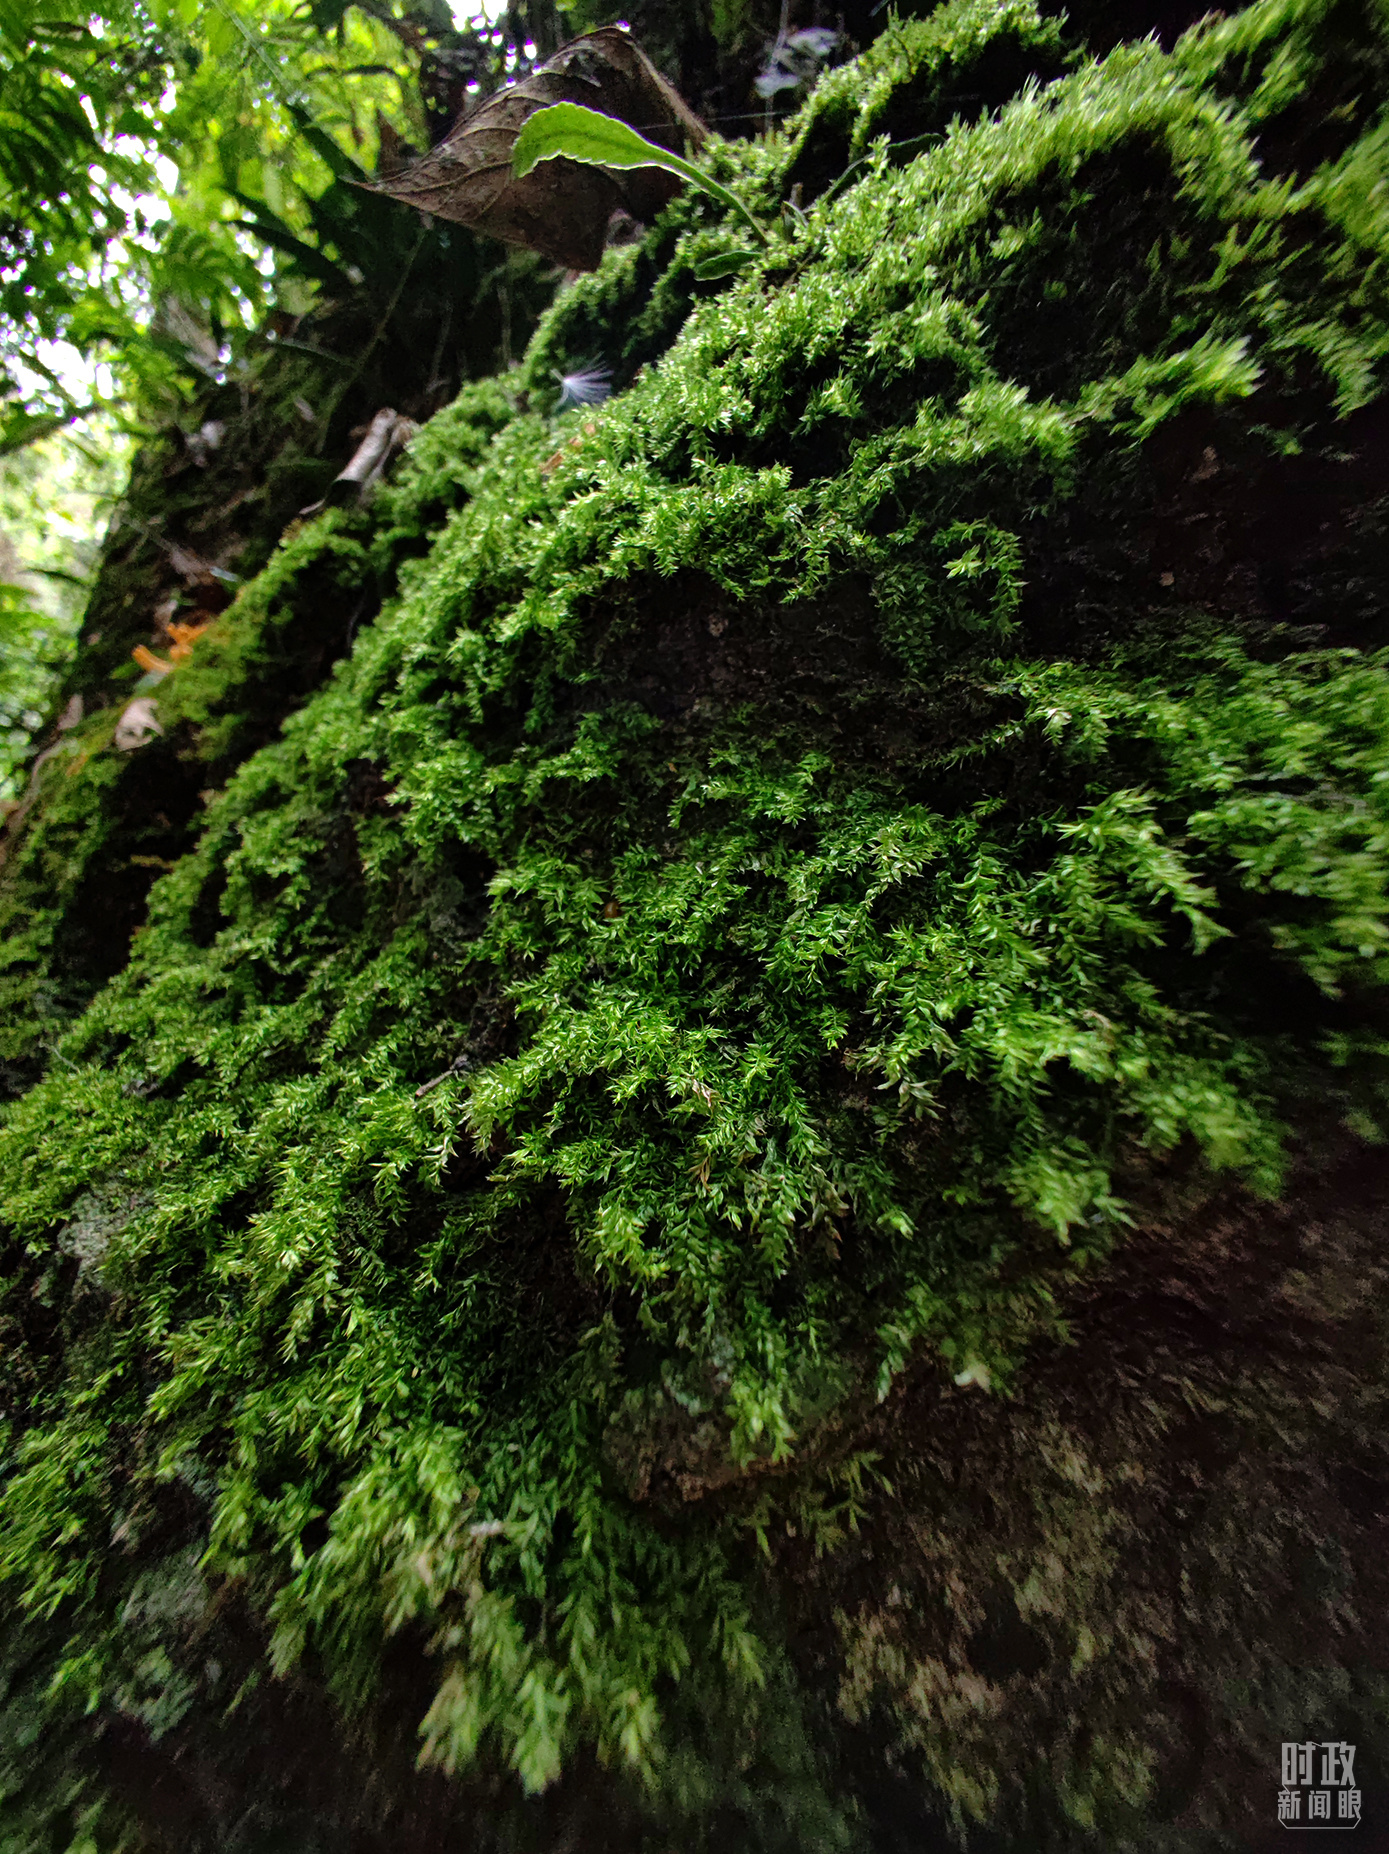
(181, 181)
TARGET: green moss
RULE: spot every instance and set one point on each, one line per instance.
(103, 819)
(838, 911)
(918, 66)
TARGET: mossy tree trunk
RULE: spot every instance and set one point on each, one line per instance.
(877, 837)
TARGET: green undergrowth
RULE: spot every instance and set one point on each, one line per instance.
(822, 910)
(105, 821)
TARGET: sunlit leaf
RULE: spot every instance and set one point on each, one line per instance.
(724, 264)
(571, 131)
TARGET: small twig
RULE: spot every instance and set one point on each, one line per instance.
(456, 1067)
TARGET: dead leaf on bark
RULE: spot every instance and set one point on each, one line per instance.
(388, 433)
(191, 568)
(138, 723)
(561, 208)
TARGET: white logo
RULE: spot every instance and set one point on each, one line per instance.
(1319, 1787)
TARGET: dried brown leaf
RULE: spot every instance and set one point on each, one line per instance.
(139, 723)
(388, 433)
(561, 208)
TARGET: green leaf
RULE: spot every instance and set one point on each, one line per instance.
(19, 428)
(724, 264)
(324, 146)
(271, 227)
(570, 131)
(16, 22)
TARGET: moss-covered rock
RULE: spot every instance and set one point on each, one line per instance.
(791, 867)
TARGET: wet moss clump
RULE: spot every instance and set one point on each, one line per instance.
(851, 828)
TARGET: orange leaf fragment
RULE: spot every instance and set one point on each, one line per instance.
(184, 637)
